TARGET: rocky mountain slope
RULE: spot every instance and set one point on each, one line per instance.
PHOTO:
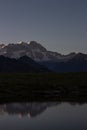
(33, 56)
(33, 50)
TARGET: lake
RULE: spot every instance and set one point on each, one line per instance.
(43, 116)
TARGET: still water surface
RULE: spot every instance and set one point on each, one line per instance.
(43, 116)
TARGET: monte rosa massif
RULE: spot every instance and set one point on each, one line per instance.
(33, 57)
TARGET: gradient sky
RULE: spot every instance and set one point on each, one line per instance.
(59, 25)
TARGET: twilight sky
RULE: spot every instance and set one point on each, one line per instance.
(59, 25)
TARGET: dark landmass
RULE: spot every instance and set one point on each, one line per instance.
(23, 87)
(21, 65)
(25, 64)
(77, 64)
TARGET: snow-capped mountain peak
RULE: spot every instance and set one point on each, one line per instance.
(33, 50)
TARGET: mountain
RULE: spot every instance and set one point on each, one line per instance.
(33, 50)
(77, 63)
(23, 64)
(33, 56)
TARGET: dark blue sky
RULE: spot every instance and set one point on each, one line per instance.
(59, 25)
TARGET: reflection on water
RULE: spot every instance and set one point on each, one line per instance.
(46, 115)
(25, 109)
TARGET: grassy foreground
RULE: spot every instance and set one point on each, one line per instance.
(43, 86)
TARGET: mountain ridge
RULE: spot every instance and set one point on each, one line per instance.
(33, 50)
(33, 57)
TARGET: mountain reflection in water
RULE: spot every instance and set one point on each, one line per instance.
(25, 109)
(43, 116)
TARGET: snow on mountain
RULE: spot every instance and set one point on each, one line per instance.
(2, 46)
(33, 50)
